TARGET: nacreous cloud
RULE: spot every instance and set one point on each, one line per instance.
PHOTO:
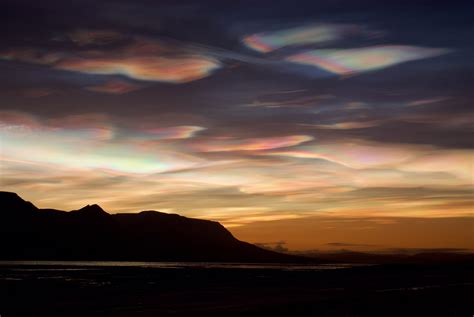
(78, 144)
(358, 60)
(395, 157)
(140, 60)
(117, 87)
(149, 68)
(169, 133)
(269, 41)
(354, 154)
(257, 144)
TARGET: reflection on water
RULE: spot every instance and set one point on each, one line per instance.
(87, 265)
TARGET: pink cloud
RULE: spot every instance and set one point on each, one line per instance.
(117, 87)
(256, 144)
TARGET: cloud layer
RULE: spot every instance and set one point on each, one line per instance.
(356, 60)
(266, 42)
(141, 59)
(246, 117)
(236, 180)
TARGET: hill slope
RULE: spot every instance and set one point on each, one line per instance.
(90, 233)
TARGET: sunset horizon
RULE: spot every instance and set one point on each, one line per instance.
(216, 158)
(328, 233)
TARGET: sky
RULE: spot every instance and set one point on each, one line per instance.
(332, 124)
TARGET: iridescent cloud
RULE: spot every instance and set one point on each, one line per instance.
(357, 60)
(273, 141)
(86, 159)
(269, 41)
(457, 162)
(117, 87)
(393, 158)
(353, 154)
(349, 125)
(179, 132)
(76, 144)
(305, 154)
(257, 144)
(149, 68)
(142, 59)
(427, 101)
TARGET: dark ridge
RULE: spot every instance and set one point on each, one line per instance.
(91, 210)
(90, 233)
(12, 203)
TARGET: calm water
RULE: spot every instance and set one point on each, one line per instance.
(59, 265)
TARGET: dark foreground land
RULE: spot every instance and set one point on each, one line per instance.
(389, 290)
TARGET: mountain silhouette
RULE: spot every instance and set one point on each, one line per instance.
(91, 211)
(90, 233)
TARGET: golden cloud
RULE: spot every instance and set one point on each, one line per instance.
(257, 144)
(142, 59)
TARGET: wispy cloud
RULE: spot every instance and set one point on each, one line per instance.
(77, 144)
(238, 181)
(353, 154)
(257, 144)
(347, 125)
(357, 60)
(142, 59)
(427, 101)
(168, 133)
(117, 87)
(148, 68)
(266, 42)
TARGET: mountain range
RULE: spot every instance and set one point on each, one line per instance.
(92, 234)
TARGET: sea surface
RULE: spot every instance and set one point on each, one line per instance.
(85, 265)
(146, 289)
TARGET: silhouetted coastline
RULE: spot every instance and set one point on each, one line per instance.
(434, 284)
(90, 233)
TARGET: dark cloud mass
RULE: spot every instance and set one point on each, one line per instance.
(240, 111)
